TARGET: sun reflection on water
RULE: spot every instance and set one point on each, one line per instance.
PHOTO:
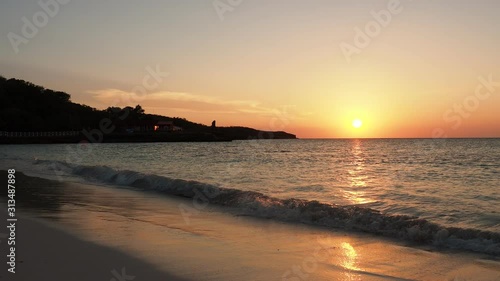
(350, 256)
(349, 261)
(357, 175)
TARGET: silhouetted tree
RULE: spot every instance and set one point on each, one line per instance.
(138, 110)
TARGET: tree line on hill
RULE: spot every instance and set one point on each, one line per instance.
(26, 107)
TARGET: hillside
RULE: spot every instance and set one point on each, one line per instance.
(26, 107)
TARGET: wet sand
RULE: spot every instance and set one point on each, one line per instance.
(45, 253)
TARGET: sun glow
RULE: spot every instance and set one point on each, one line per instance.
(356, 123)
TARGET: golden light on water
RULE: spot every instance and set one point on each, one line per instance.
(356, 173)
(349, 261)
(357, 176)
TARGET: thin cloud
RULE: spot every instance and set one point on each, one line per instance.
(179, 101)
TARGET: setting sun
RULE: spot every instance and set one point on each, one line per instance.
(356, 123)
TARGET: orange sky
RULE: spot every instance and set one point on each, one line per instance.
(409, 69)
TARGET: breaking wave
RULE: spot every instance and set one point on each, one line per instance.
(408, 228)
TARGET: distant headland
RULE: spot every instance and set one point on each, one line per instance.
(31, 114)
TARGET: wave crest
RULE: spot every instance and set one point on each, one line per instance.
(256, 204)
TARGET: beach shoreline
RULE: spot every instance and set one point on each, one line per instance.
(98, 229)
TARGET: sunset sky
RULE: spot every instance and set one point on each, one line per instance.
(429, 68)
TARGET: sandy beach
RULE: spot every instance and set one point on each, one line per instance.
(99, 233)
(48, 253)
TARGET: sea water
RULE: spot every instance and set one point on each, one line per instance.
(436, 191)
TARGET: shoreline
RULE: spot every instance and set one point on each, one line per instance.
(140, 137)
(49, 250)
(355, 219)
(91, 230)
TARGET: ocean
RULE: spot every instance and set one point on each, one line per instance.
(444, 193)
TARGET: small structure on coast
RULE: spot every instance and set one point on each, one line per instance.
(166, 126)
